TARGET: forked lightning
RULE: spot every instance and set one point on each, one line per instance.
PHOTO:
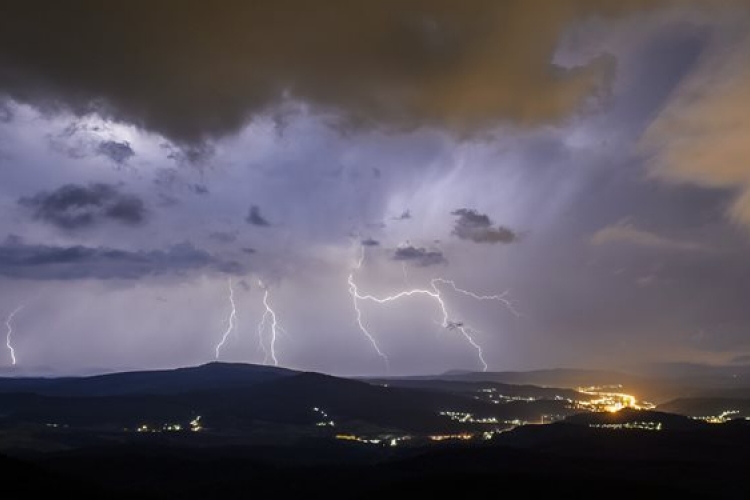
(434, 293)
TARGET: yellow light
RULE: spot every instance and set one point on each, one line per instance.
(347, 437)
(614, 408)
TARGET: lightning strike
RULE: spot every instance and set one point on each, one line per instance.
(231, 323)
(434, 293)
(8, 336)
(354, 292)
(502, 298)
(269, 315)
(465, 331)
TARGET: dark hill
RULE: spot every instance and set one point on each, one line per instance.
(180, 380)
(634, 417)
(709, 406)
(469, 387)
(244, 398)
(292, 399)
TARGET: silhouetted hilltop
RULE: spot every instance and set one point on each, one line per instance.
(242, 396)
(180, 380)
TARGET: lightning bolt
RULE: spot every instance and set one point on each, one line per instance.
(434, 293)
(261, 328)
(231, 323)
(356, 297)
(466, 332)
(502, 298)
(269, 316)
(8, 336)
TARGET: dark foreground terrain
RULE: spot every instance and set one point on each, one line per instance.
(557, 459)
(242, 431)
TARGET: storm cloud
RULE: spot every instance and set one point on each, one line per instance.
(45, 262)
(419, 256)
(204, 69)
(75, 206)
(473, 226)
(370, 242)
(255, 218)
(118, 152)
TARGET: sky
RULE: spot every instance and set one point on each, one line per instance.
(183, 181)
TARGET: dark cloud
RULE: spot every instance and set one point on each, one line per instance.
(118, 152)
(473, 226)
(405, 215)
(80, 139)
(419, 256)
(74, 206)
(199, 189)
(249, 250)
(255, 218)
(370, 242)
(189, 154)
(224, 236)
(203, 69)
(42, 262)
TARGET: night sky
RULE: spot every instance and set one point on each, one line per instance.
(586, 160)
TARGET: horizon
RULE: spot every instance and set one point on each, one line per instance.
(649, 371)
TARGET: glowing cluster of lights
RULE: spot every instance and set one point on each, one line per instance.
(607, 399)
(384, 440)
(464, 436)
(721, 418)
(463, 417)
(194, 426)
(325, 419)
(644, 426)
(164, 428)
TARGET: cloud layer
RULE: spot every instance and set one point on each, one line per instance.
(75, 206)
(193, 70)
(472, 226)
(419, 256)
(701, 135)
(44, 262)
(255, 218)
